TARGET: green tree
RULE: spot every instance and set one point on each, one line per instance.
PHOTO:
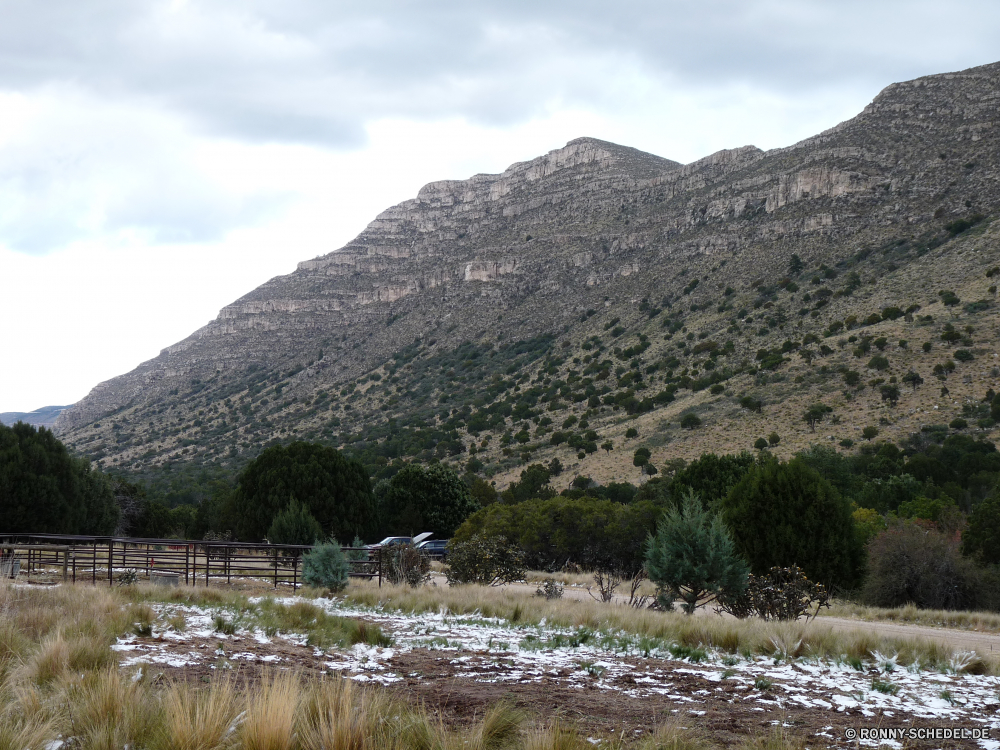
(784, 514)
(690, 421)
(982, 535)
(692, 556)
(913, 379)
(641, 457)
(773, 439)
(711, 477)
(45, 490)
(795, 265)
(814, 414)
(433, 499)
(760, 444)
(870, 432)
(534, 483)
(334, 489)
(294, 525)
(608, 446)
(325, 565)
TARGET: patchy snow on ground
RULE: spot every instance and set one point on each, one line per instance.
(495, 650)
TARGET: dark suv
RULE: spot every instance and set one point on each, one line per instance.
(434, 548)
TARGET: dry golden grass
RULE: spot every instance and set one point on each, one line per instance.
(198, 719)
(269, 720)
(985, 622)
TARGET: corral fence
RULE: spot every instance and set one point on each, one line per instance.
(197, 562)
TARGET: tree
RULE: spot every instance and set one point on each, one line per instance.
(878, 362)
(325, 565)
(815, 413)
(631, 432)
(433, 499)
(608, 446)
(852, 378)
(692, 557)
(773, 439)
(890, 393)
(711, 476)
(760, 444)
(795, 265)
(913, 379)
(690, 421)
(869, 433)
(534, 483)
(294, 525)
(641, 457)
(784, 514)
(334, 489)
(45, 490)
(982, 535)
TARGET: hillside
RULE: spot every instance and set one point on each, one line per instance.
(599, 288)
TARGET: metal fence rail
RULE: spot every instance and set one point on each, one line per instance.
(99, 558)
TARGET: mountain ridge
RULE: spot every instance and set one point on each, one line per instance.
(558, 246)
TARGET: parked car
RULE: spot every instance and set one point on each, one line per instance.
(435, 548)
(394, 541)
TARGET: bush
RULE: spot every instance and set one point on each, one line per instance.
(692, 555)
(432, 499)
(486, 560)
(404, 563)
(550, 590)
(589, 532)
(325, 566)
(782, 594)
(878, 362)
(294, 525)
(911, 563)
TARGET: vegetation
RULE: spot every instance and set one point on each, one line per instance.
(418, 499)
(326, 566)
(784, 514)
(45, 490)
(335, 490)
(692, 558)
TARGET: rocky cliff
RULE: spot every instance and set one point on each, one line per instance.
(556, 248)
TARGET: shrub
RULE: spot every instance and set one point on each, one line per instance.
(692, 555)
(760, 444)
(486, 560)
(869, 433)
(910, 563)
(964, 355)
(781, 594)
(550, 590)
(404, 563)
(325, 566)
(958, 424)
(631, 432)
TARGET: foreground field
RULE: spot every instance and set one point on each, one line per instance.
(467, 667)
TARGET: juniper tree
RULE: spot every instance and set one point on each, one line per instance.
(692, 557)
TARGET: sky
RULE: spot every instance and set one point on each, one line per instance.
(160, 159)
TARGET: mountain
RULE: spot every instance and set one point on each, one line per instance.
(44, 417)
(599, 288)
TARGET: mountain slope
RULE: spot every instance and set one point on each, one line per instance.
(494, 305)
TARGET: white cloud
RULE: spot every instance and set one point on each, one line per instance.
(158, 160)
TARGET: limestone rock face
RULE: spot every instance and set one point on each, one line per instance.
(588, 226)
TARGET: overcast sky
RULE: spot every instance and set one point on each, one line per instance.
(160, 159)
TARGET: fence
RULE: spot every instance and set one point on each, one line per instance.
(98, 558)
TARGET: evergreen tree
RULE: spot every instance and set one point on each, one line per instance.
(693, 557)
(45, 490)
(334, 489)
(434, 499)
(982, 536)
(784, 514)
(294, 525)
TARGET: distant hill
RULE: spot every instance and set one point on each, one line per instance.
(538, 313)
(44, 417)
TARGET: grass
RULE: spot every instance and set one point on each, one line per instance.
(985, 622)
(60, 680)
(686, 637)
